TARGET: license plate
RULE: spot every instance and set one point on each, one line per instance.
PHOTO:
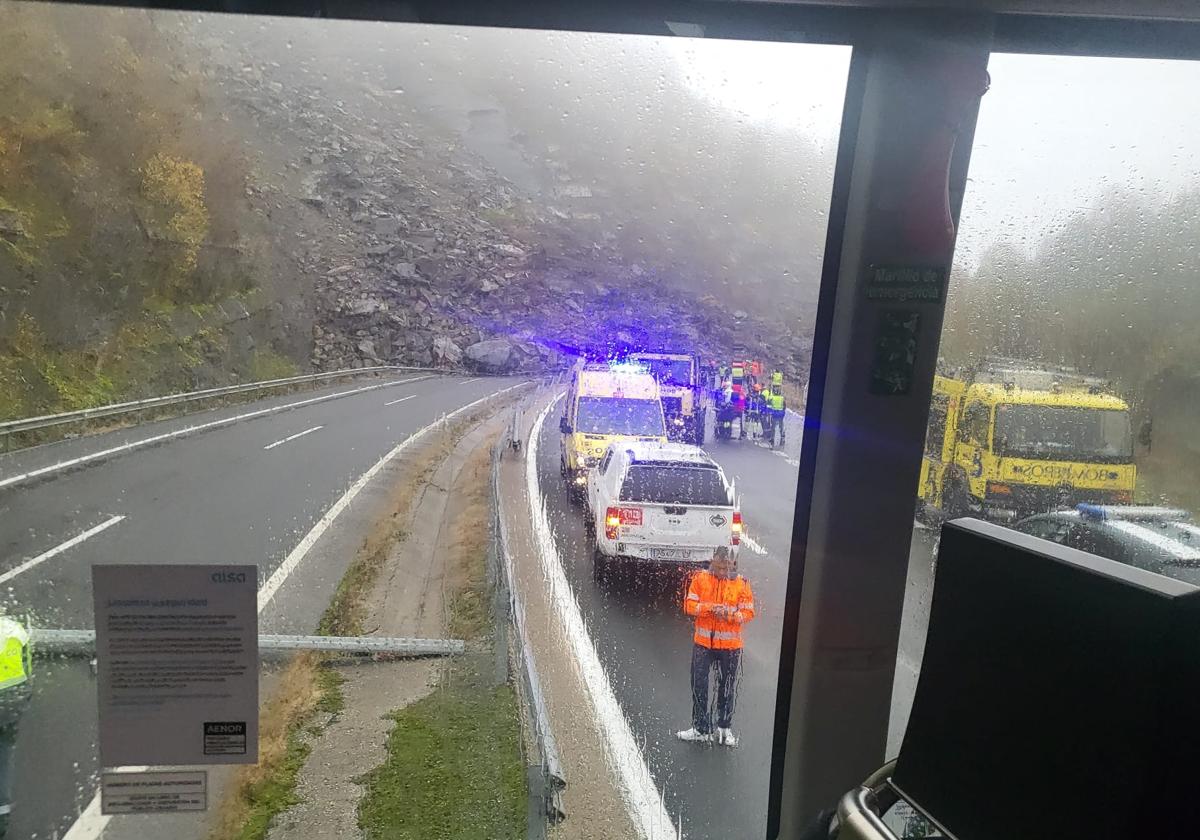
(670, 554)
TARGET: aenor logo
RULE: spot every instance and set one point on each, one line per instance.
(225, 728)
(228, 577)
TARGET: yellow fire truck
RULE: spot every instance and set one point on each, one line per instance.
(682, 392)
(1011, 439)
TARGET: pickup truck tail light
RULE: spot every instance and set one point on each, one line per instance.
(612, 521)
(615, 517)
(737, 527)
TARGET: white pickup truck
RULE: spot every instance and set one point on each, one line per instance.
(660, 503)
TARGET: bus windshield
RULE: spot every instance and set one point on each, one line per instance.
(1063, 433)
(616, 416)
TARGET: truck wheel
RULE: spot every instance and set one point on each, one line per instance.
(954, 499)
(698, 429)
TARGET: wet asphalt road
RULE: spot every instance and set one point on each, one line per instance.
(644, 640)
(217, 496)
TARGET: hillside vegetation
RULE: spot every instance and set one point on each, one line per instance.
(123, 263)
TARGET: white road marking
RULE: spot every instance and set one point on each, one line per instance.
(268, 590)
(91, 823)
(794, 462)
(402, 399)
(293, 437)
(59, 549)
(645, 802)
(752, 545)
(190, 430)
(469, 381)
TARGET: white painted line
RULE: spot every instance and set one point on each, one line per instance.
(792, 462)
(91, 823)
(277, 578)
(293, 437)
(190, 430)
(753, 546)
(59, 549)
(642, 797)
(469, 381)
(402, 399)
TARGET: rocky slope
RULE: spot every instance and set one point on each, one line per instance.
(415, 251)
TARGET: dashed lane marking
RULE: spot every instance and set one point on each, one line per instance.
(59, 549)
(794, 462)
(752, 545)
(190, 430)
(293, 437)
(402, 399)
(91, 823)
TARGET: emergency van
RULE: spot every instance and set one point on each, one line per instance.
(606, 403)
(1008, 441)
(681, 391)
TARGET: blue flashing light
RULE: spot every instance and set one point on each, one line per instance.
(1090, 511)
(625, 366)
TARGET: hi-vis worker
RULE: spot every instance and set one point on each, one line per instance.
(776, 406)
(14, 696)
(721, 602)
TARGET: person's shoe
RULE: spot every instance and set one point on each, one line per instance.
(695, 735)
(725, 736)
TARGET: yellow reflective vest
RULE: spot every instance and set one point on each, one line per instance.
(14, 653)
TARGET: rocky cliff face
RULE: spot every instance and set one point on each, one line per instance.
(411, 250)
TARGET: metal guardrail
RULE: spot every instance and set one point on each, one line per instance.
(29, 424)
(83, 643)
(548, 774)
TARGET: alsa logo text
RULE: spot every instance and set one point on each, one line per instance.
(228, 577)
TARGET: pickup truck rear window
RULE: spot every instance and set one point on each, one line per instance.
(670, 485)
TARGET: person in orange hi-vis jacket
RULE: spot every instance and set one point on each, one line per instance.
(721, 602)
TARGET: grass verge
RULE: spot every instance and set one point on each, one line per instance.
(469, 598)
(308, 698)
(454, 766)
(454, 769)
(260, 791)
(309, 695)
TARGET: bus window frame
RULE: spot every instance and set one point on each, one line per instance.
(1105, 33)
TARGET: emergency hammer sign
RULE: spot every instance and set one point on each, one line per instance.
(177, 659)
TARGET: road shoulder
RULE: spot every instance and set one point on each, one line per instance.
(592, 800)
(409, 599)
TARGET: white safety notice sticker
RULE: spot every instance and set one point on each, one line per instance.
(154, 792)
(177, 660)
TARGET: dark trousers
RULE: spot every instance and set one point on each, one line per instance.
(727, 664)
